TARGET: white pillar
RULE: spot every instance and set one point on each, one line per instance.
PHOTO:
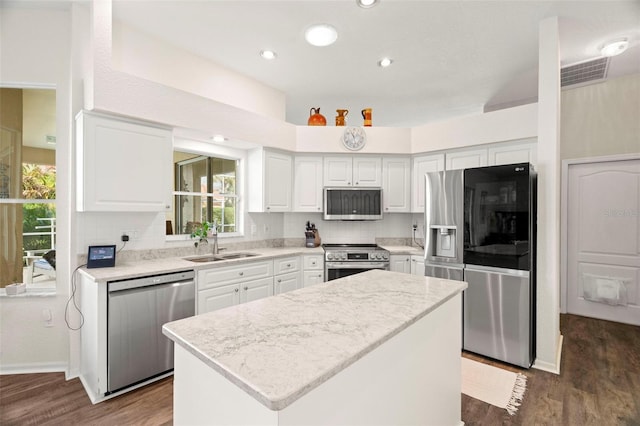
(549, 339)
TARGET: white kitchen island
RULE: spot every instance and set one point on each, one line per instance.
(376, 348)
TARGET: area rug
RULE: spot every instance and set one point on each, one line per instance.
(493, 385)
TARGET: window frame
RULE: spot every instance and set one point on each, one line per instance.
(209, 149)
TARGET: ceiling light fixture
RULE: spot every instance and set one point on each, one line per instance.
(385, 62)
(615, 47)
(268, 54)
(218, 138)
(321, 35)
(366, 4)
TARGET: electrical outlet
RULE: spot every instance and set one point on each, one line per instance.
(47, 317)
(415, 226)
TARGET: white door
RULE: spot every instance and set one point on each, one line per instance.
(216, 298)
(396, 194)
(367, 171)
(307, 184)
(603, 240)
(256, 289)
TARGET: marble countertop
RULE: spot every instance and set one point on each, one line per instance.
(140, 268)
(403, 249)
(279, 348)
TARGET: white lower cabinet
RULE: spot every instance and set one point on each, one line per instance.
(230, 285)
(417, 265)
(400, 263)
(216, 298)
(287, 274)
(286, 282)
(310, 278)
(313, 269)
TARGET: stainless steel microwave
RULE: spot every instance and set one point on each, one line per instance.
(342, 203)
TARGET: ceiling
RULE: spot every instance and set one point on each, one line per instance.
(450, 57)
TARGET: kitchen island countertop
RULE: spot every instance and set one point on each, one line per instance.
(280, 348)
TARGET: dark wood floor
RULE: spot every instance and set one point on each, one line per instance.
(599, 385)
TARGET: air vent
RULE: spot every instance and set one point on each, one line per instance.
(585, 72)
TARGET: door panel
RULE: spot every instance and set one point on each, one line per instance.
(603, 240)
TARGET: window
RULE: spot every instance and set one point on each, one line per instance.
(28, 187)
(204, 191)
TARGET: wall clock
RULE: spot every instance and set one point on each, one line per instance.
(354, 138)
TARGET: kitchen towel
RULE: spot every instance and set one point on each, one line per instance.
(493, 385)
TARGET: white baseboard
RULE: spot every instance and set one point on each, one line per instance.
(48, 367)
(548, 366)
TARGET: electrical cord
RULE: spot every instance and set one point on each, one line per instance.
(72, 298)
(415, 241)
(75, 304)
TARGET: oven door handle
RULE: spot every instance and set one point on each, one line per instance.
(355, 265)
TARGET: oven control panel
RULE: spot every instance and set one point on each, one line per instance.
(377, 255)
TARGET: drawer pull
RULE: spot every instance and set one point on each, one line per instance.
(236, 290)
(288, 265)
(241, 273)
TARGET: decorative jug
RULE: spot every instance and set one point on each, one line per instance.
(315, 118)
(366, 114)
(341, 117)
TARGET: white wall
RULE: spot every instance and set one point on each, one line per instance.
(504, 125)
(110, 90)
(601, 119)
(396, 225)
(35, 46)
(182, 70)
(548, 167)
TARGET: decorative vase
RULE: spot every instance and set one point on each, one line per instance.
(366, 115)
(315, 118)
(341, 117)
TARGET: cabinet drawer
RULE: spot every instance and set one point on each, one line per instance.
(286, 264)
(287, 282)
(315, 261)
(310, 278)
(214, 277)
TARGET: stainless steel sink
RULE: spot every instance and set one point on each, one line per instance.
(218, 257)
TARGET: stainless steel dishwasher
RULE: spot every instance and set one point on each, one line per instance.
(137, 308)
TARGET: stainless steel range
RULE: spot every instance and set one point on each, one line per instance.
(341, 260)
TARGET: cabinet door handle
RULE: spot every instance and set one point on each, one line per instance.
(241, 273)
(318, 208)
(246, 288)
(279, 280)
(236, 290)
(357, 183)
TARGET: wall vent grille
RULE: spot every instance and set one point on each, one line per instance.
(584, 72)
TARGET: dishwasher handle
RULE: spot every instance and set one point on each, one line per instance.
(175, 278)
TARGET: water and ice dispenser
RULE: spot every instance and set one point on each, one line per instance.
(444, 240)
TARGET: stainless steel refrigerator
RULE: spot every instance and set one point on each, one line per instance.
(443, 228)
(500, 262)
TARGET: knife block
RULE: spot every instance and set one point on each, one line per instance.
(312, 239)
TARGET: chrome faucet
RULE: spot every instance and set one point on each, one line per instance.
(214, 235)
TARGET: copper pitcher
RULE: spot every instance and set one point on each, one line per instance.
(341, 117)
(315, 118)
(366, 114)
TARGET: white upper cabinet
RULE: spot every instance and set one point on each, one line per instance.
(513, 153)
(466, 159)
(396, 184)
(270, 176)
(122, 165)
(307, 184)
(421, 165)
(345, 170)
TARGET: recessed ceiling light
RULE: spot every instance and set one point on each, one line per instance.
(321, 35)
(615, 47)
(366, 3)
(385, 62)
(268, 54)
(218, 138)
